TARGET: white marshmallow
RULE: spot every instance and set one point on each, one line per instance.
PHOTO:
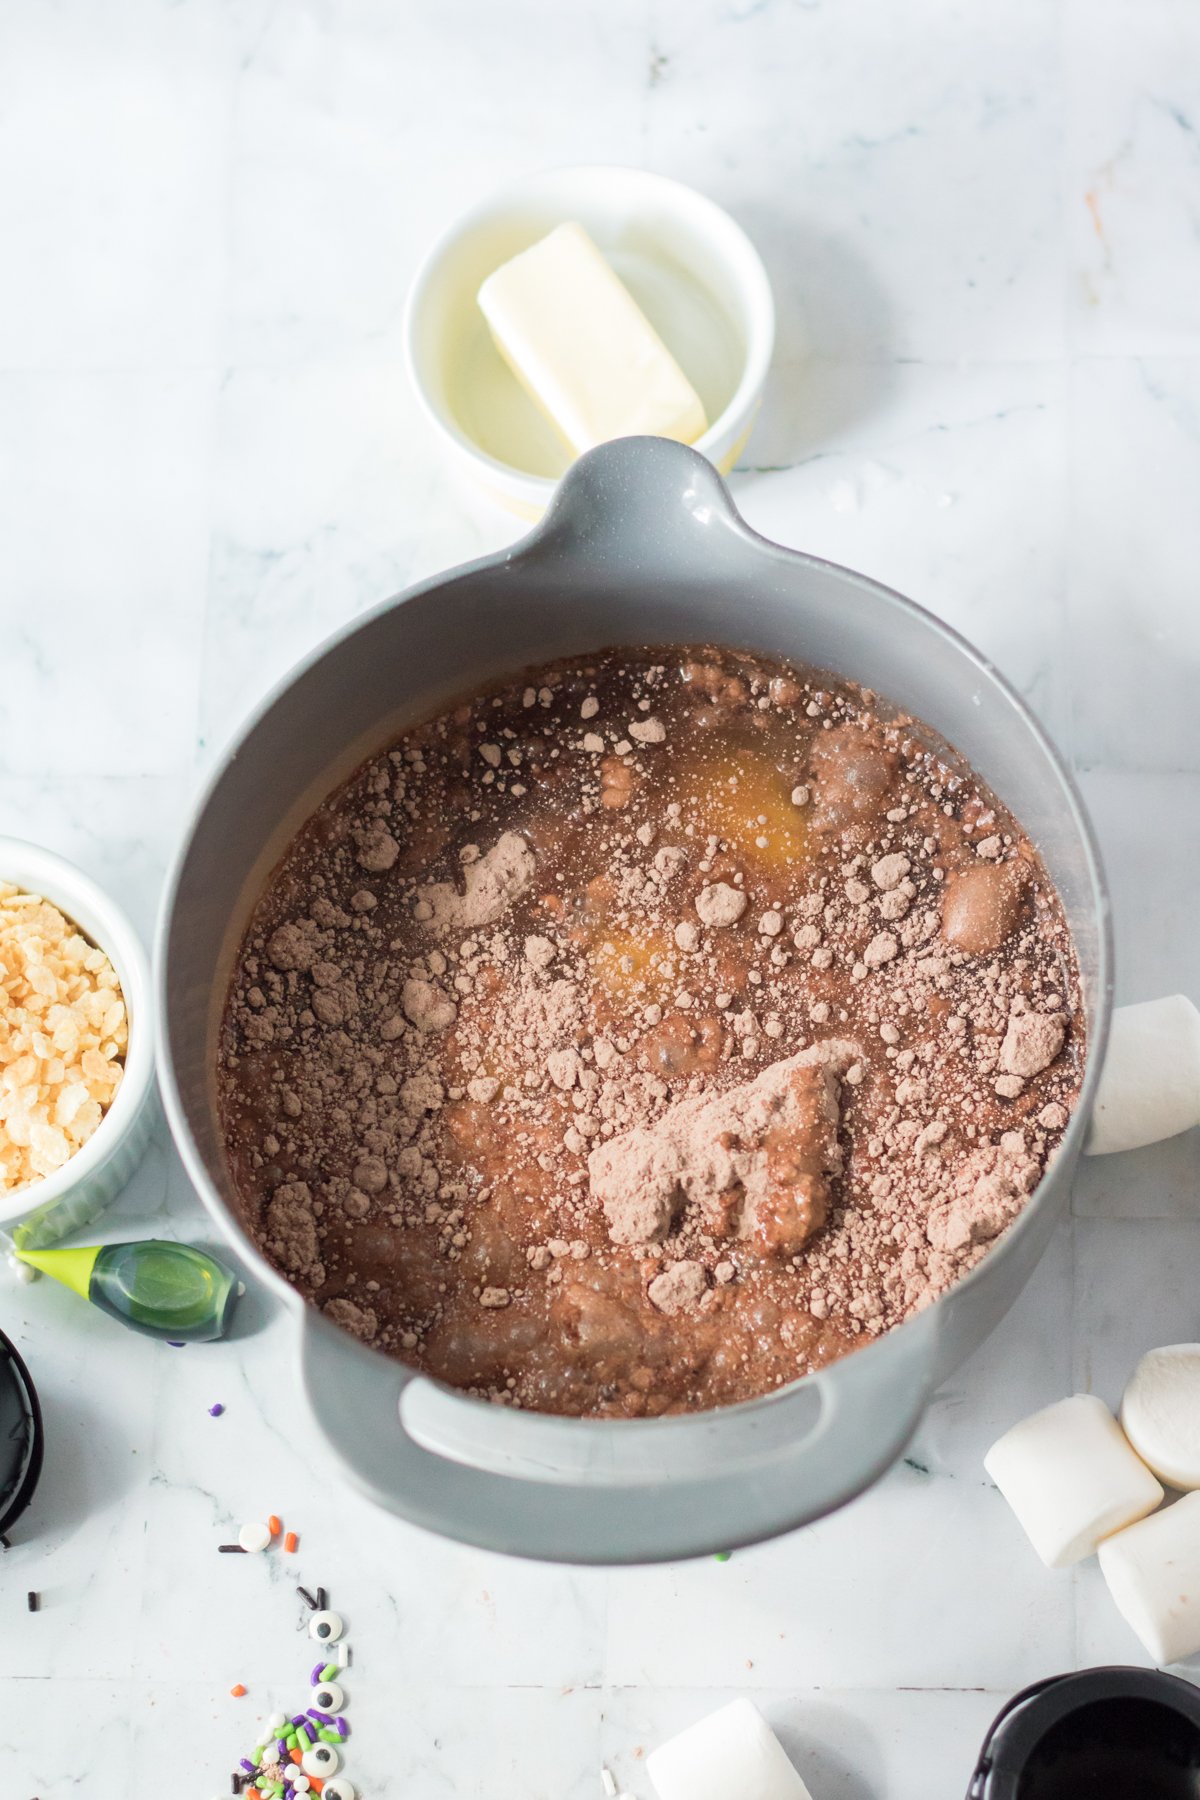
(1071, 1478)
(733, 1752)
(1150, 1083)
(1153, 1574)
(1160, 1413)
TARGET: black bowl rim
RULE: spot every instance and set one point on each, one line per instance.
(15, 1503)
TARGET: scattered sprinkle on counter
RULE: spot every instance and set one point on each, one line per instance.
(254, 1536)
(301, 1752)
(214, 1412)
(237, 1690)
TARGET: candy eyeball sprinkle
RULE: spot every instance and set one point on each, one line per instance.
(326, 1627)
(322, 1759)
(328, 1697)
(337, 1789)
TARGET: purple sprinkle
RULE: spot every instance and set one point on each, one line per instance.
(314, 1679)
(320, 1717)
(248, 1766)
(214, 1412)
(283, 1749)
(175, 1343)
(339, 1724)
(299, 1720)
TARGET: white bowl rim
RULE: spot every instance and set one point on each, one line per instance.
(44, 872)
(752, 278)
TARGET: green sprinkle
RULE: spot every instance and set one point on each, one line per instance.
(330, 1736)
(290, 1740)
(723, 1556)
(303, 1741)
(330, 1672)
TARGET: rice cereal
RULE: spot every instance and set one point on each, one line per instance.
(63, 1037)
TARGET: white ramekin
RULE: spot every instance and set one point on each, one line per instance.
(617, 206)
(94, 1176)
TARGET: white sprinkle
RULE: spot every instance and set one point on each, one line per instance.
(610, 1786)
(254, 1536)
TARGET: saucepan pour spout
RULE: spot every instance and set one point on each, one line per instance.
(638, 504)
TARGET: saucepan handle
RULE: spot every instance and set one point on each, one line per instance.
(564, 1490)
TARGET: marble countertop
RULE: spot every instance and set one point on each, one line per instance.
(981, 226)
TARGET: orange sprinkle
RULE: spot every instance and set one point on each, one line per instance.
(274, 1526)
(296, 1756)
(290, 1542)
(237, 1690)
(253, 1794)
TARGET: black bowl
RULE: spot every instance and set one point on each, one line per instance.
(21, 1436)
(1108, 1734)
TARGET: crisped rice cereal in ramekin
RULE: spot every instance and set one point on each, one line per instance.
(64, 1033)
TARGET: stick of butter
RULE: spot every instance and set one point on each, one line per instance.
(582, 348)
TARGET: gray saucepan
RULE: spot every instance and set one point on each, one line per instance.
(641, 545)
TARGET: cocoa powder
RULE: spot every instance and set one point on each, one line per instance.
(658, 1062)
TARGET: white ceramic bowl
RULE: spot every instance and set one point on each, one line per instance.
(694, 272)
(94, 1176)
